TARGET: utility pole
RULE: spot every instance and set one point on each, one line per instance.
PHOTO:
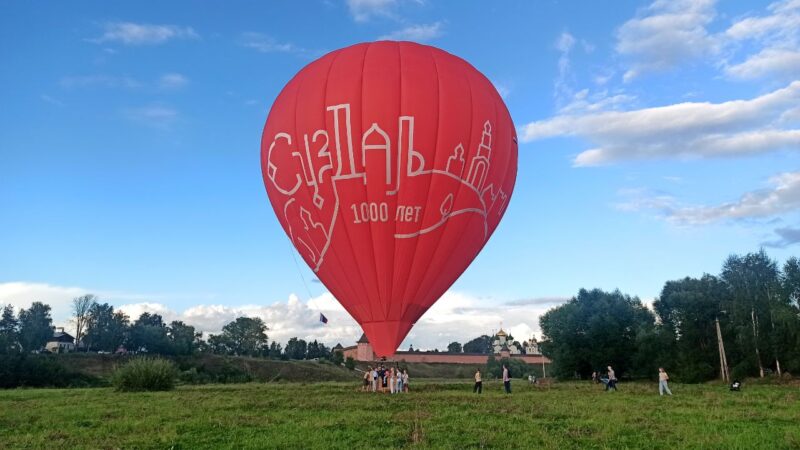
(723, 360)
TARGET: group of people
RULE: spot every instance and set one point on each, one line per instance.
(478, 387)
(610, 380)
(381, 379)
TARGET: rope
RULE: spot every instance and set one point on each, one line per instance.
(300, 272)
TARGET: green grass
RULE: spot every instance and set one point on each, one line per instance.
(435, 415)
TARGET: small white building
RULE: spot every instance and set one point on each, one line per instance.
(61, 342)
(532, 347)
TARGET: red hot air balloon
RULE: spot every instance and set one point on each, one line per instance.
(389, 165)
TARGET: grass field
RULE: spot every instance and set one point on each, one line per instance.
(441, 414)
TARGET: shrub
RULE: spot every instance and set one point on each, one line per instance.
(350, 363)
(22, 370)
(145, 374)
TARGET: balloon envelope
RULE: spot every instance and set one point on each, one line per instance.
(389, 165)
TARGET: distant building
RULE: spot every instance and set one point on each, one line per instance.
(500, 341)
(61, 342)
(532, 347)
(362, 351)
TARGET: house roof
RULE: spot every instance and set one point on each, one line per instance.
(363, 339)
(338, 346)
(60, 336)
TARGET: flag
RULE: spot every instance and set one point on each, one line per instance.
(322, 318)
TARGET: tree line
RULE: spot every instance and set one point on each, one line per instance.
(101, 328)
(744, 321)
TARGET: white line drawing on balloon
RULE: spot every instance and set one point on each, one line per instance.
(312, 231)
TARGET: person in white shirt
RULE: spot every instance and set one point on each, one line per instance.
(478, 388)
(612, 379)
(662, 382)
(506, 379)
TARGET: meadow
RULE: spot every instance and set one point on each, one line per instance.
(436, 414)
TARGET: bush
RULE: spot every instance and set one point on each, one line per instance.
(350, 363)
(145, 374)
(22, 370)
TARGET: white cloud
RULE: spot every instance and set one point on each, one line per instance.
(777, 40)
(771, 61)
(417, 33)
(129, 33)
(99, 80)
(172, 81)
(455, 317)
(781, 24)
(267, 44)
(563, 89)
(684, 130)
(363, 10)
(155, 115)
(782, 196)
(503, 89)
(51, 100)
(21, 294)
(666, 34)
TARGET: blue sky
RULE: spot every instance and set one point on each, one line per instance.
(656, 139)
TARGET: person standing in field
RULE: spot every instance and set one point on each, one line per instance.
(399, 381)
(478, 388)
(405, 379)
(612, 380)
(367, 378)
(506, 379)
(662, 382)
(392, 381)
(375, 379)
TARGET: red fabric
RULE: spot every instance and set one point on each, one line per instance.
(389, 165)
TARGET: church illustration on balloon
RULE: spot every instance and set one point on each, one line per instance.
(462, 186)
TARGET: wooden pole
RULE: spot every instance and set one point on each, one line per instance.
(723, 360)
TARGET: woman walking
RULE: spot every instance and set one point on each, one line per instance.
(612, 380)
(662, 382)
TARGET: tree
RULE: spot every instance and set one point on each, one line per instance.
(454, 347)
(688, 309)
(481, 344)
(80, 311)
(755, 287)
(790, 281)
(105, 329)
(296, 348)
(184, 340)
(275, 350)
(245, 336)
(350, 363)
(593, 330)
(9, 331)
(35, 326)
(317, 350)
(149, 333)
(337, 357)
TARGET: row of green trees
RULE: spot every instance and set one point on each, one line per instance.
(755, 302)
(100, 328)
